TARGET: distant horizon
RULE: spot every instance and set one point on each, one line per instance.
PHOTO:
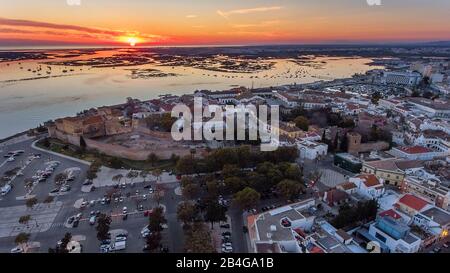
(117, 46)
(232, 22)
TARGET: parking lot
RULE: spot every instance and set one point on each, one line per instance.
(72, 209)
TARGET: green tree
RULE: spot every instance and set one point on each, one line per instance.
(190, 190)
(302, 123)
(23, 220)
(234, 184)
(215, 212)
(156, 220)
(247, 198)
(212, 189)
(157, 173)
(82, 144)
(153, 241)
(22, 239)
(376, 96)
(186, 212)
(60, 178)
(132, 174)
(152, 159)
(289, 189)
(31, 202)
(117, 178)
(103, 225)
(185, 165)
(198, 240)
(230, 170)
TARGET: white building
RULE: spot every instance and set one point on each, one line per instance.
(368, 185)
(417, 153)
(311, 149)
(394, 236)
(402, 78)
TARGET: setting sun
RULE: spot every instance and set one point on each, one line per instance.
(132, 41)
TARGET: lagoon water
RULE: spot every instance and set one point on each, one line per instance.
(25, 101)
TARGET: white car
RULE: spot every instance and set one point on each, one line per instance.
(145, 232)
(124, 210)
(227, 249)
(17, 249)
(11, 159)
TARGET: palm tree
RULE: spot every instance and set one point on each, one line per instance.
(157, 173)
(23, 220)
(132, 174)
(21, 239)
(117, 178)
(31, 202)
(144, 174)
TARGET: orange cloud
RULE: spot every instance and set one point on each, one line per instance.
(226, 14)
(31, 29)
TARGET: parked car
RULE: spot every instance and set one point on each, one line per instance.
(92, 220)
(437, 250)
(75, 223)
(120, 238)
(226, 233)
(141, 208)
(17, 249)
(227, 249)
(105, 248)
(227, 226)
(227, 245)
(445, 245)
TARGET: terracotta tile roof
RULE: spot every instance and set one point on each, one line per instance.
(409, 164)
(414, 150)
(390, 212)
(370, 180)
(388, 165)
(413, 202)
(347, 186)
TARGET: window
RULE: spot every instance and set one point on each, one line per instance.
(380, 237)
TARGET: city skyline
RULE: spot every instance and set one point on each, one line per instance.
(108, 23)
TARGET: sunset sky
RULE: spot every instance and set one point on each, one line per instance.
(210, 22)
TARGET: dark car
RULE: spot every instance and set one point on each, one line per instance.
(147, 186)
(226, 233)
(225, 226)
(75, 223)
(125, 217)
